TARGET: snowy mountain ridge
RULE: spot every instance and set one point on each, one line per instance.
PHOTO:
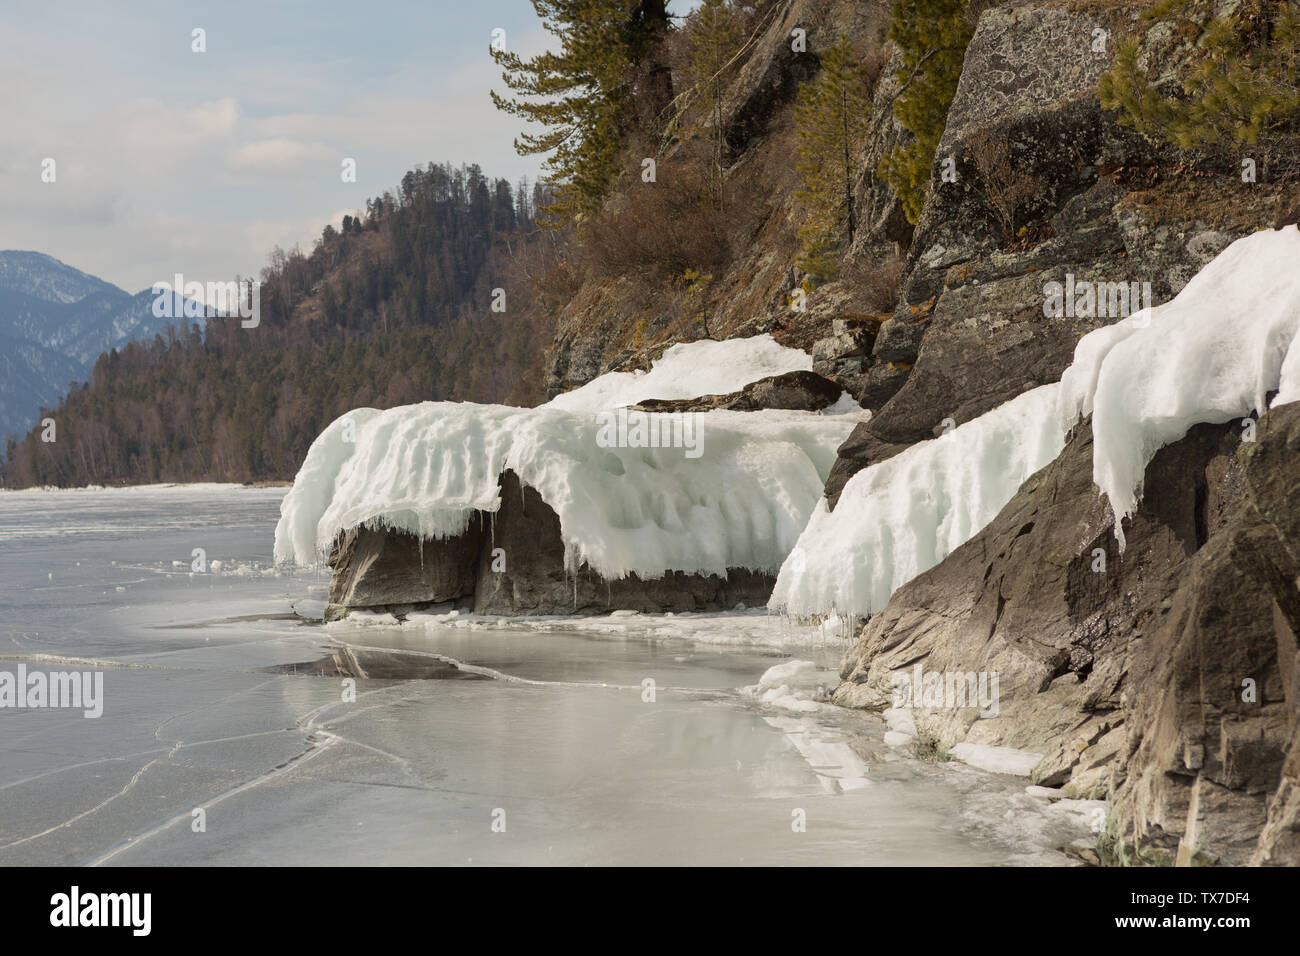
(55, 321)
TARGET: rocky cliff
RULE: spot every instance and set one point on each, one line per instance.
(623, 321)
(1163, 679)
(1029, 145)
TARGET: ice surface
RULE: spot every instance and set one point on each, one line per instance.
(903, 516)
(1019, 763)
(689, 370)
(839, 769)
(800, 687)
(1211, 354)
(736, 492)
(210, 700)
(738, 628)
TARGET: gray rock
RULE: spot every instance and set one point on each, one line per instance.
(801, 391)
(395, 571)
(884, 227)
(535, 580)
(379, 568)
(1130, 680)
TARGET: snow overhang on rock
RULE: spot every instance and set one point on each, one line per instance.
(716, 490)
(1213, 353)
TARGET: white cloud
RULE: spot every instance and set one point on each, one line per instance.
(156, 137)
(280, 156)
(202, 164)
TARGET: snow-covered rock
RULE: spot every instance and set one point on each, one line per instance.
(426, 469)
(688, 370)
(905, 515)
(1211, 354)
(716, 491)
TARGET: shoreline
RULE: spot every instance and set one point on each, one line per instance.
(155, 486)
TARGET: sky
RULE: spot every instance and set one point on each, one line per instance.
(168, 160)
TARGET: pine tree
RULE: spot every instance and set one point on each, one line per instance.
(582, 94)
(831, 114)
(715, 38)
(1241, 81)
(931, 36)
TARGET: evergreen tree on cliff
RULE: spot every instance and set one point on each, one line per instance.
(586, 95)
(831, 117)
(1239, 85)
(714, 38)
(931, 36)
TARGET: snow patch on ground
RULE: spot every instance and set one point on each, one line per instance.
(689, 370)
(1019, 763)
(179, 488)
(743, 628)
(901, 724)
(1025, 824)
(1045, 793)
(798, 686)
(369, 619)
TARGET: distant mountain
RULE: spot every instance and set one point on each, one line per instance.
(46, 278)
(55, 321)
(31, 377)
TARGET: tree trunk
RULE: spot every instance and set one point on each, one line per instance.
(848, 179)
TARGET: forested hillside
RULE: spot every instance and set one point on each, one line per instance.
(608, 264)
(396, 307)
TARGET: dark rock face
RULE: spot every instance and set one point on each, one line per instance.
(799, 391)
(772, 75)
(535, 580)
(845, 354)
(381, 568)
(885, 228)
(969, 331)
(1165, 676)
(510, 563)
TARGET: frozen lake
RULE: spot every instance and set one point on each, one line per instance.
(621, 740)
